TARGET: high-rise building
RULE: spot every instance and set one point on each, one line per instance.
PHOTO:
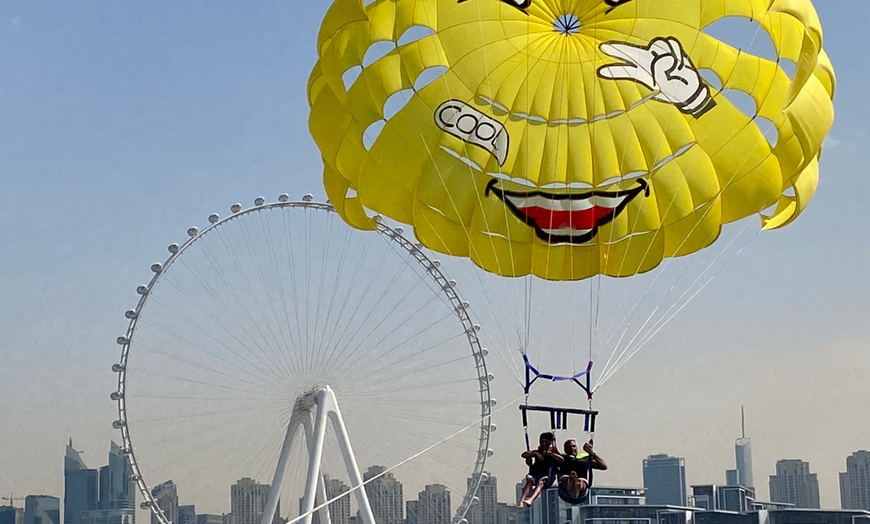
(434, 505)
(664, 478)
(166, 497)
(117, 490)
(186, 514)
(339, 511)
(743, 457)
(80, 488)
(855, 482)
(485, 510)
(412, 512)
(41, 509)
(794, 484)
(248, 502)
(385, 495)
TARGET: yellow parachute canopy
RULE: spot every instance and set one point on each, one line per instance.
(567, 138)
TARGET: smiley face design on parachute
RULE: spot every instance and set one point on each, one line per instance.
(565, 138)
(575, 217)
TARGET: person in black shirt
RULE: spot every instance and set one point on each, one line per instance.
(542, 464)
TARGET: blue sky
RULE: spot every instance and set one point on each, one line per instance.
(122, 123)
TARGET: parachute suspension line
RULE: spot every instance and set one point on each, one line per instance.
(668, 315)
(607, 334)
(665, 317)
(611, 329)
(666, 263)
(493, 304)
(520, 335)
(669, 261)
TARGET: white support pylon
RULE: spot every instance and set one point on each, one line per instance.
(315, 489)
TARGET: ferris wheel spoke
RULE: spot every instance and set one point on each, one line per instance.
(246, 340)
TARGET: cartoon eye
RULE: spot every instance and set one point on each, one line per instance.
(613, 4)
(522, 5)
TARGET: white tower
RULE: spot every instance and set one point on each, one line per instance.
(743, 453)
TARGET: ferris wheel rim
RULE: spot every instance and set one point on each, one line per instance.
(395, 235)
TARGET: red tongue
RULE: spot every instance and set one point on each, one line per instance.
(552, 219)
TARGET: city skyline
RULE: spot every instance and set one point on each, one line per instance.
(794, 484)
(115, 140)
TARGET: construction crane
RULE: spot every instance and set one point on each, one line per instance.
(11, 499)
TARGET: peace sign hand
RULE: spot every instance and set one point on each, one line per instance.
(664, 67)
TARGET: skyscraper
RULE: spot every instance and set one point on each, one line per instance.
(166, 497)
(339, 511)
(485, 511)
(434, 505)
(117, 490)
(80, 488)
(385, 496)
(664, 478)
(248, 502)
(855, 482)
(743, 455)
(41, 509)
(794, 484)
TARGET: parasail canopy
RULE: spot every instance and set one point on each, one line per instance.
(568, 138)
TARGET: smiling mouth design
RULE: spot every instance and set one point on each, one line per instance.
(572, 218)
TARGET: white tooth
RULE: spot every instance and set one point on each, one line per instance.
(566, 231)
(550, 204)
(577, 205)
(608, 202)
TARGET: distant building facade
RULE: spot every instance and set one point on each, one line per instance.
(734, 498)
(412, 512)
(166, 497)
(41, 509)
(248, 502)
(339, 511)
(794, 484)
(485, 510)
(607, 505)
(815, 516)
(510, 514)
(211, 519)
(385, 496)
(743, 456)
(117, 490)
(434, 505)
(186, 514)
(855, 482)
(11, 515)
(104, 496)
(664, 479)
(80, 488)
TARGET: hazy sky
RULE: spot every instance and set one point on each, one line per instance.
(121, 124)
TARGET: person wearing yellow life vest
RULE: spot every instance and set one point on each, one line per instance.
(574, 469)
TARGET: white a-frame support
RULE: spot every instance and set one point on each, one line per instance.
(315, 490)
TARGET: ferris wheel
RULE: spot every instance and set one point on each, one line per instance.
(258, 327)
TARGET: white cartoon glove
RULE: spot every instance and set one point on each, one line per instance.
(663, 66)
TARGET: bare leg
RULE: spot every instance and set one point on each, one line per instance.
(527, 490)
(535, 494)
